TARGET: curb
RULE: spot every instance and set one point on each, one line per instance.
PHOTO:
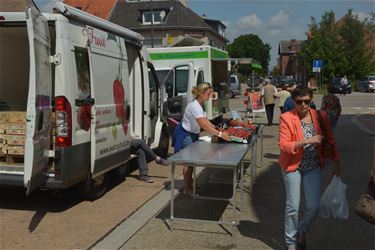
(123, 232)
(364, 128)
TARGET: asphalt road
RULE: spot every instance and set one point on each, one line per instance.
(49, 220)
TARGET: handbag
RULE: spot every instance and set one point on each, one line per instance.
(328, 150)
(366, 205)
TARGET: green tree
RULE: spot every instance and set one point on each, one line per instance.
(342, 45)
(250, 45)
(357, 56)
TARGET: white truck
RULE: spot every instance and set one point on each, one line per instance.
(98, 82)
(182, 68)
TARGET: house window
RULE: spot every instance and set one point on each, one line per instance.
(157, 42)
(157, 16)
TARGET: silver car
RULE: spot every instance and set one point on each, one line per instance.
(366, 84)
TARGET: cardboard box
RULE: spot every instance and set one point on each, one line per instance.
(12, 117)
(17, 117)
(3, 150)
(14, 139)
(12, 126)
(4, 117)
(2, 138)
(15, 132)
(15, 150)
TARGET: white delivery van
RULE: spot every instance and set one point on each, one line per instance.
(86, 87)
(182, 68)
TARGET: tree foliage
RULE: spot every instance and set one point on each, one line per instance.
(342, 45)
(250, 45)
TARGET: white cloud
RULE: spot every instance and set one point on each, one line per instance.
(281, 19)
(362, 15)
(249, 22)
(271, 30)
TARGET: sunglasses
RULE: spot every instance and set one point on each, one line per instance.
(307, 102)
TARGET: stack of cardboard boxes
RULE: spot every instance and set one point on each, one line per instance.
(12, 136)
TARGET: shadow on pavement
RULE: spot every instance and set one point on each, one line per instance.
(268, 207)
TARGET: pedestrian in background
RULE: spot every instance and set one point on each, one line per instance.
(301, 158)
(331, 105)
(282, 96)
(187, 131)
(267, 95)
(344, 84)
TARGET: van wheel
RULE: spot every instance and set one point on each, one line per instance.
(94, 188)
(163, 147)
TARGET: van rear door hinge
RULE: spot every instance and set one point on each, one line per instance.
(55, 59)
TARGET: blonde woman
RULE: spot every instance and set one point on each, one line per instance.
(187, 131)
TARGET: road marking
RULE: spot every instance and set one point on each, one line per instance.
(359, 124)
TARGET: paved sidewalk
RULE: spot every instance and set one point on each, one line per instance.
(261, 223)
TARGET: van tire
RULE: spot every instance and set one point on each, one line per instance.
(93, 189)
(163, 147)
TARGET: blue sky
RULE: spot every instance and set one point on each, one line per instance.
(271, 20)
(274, 20)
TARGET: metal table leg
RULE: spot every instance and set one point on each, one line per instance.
(172, 194)
(194, 182)
(241, 183)
(234, 198)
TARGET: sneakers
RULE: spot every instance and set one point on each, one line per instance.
(146, 179)
(162, 161)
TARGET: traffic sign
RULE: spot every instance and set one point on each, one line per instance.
(316, 69)
(317, 64)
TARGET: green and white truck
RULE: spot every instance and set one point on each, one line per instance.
(182, 68)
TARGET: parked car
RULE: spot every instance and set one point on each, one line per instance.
(338, 87)
(234, 85)
(285, 79)
(366, 84)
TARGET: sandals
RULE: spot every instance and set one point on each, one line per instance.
(189, 194)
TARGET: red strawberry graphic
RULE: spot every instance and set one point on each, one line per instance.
(119, 95)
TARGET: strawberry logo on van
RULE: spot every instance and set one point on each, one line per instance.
(119, 93)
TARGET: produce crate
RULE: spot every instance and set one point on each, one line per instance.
(15, 150)
(14, 139)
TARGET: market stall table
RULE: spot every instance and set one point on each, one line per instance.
(211, 155)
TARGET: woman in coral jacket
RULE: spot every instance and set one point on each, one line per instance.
(301, 160)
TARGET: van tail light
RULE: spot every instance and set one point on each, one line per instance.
(63, 122)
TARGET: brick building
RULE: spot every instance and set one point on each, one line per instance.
(169, 22)
(289, 61)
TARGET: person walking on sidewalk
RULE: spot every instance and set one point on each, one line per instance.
(344, 84)
(187, 131)
(267, 95)
(282, 95)
(331, 105)
(301, 159)
(145, 155)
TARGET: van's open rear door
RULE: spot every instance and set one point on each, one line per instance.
(39, 100)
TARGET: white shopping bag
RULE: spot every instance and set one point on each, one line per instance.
(333, 201)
